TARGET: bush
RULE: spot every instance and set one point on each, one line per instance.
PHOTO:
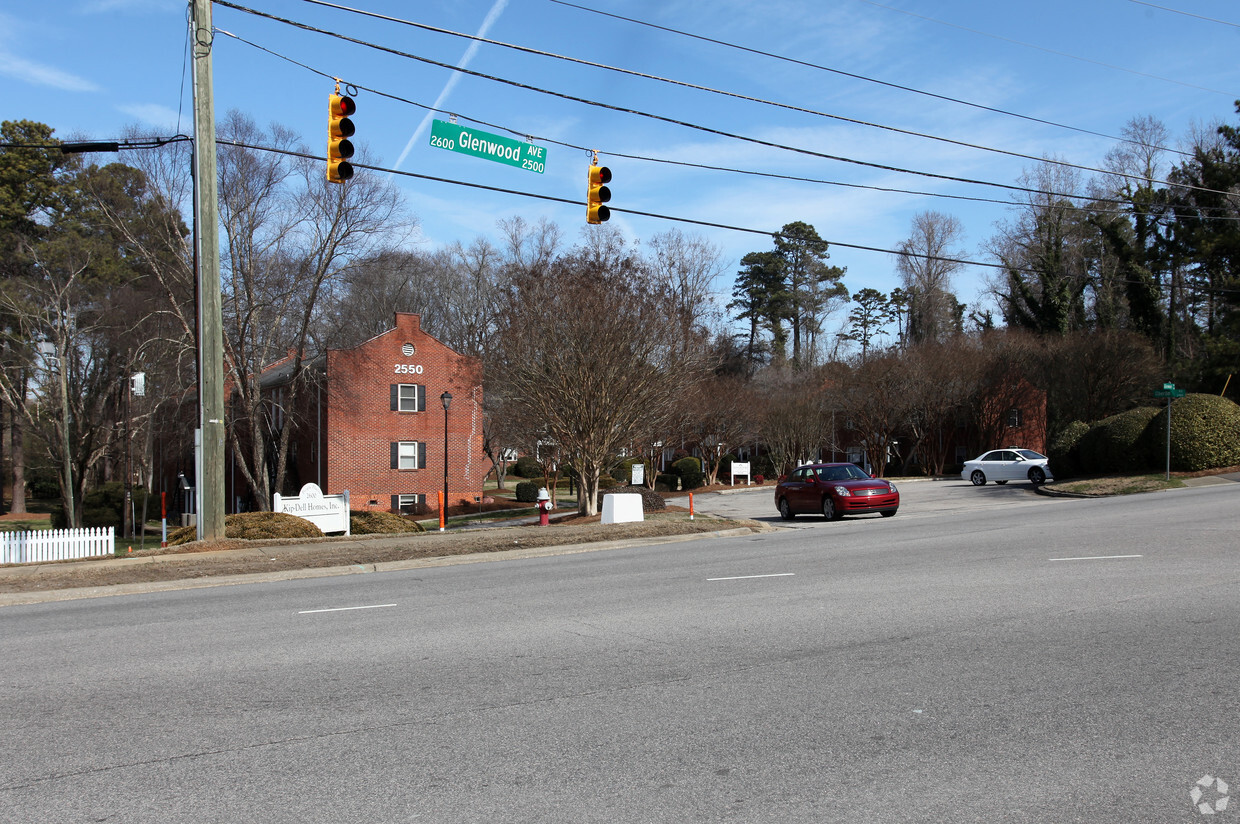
(527, 492)
(690, 471)
(624, 472)
(527, 467)
(668, 481)
(1065, 458)
(608, 482)
(1114, 444)
(254, 526)
(381, 523)
(763, 465)
(651, 500)
(1205, 434)
(758, 479)
(104, 506)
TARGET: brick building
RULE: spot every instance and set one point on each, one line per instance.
(373, 422)
(384, 420)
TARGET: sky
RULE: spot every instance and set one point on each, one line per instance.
(836, 86)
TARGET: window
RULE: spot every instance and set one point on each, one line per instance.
(408, 397)
(408, 455)
(410, 504)
(1013, 417)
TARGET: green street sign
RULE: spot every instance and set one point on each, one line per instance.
(1168, 393)
(1168, 386)
(457, 138)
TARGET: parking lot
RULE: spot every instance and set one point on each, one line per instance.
(918, 497)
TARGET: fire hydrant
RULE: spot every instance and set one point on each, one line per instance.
(544, 507)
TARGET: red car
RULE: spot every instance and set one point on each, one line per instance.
(835, 490)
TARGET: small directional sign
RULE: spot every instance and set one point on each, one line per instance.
(1168, 391)
(457, 138)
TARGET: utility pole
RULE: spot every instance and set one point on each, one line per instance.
(210, 457)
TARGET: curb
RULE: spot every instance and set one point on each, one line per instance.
(81, 593)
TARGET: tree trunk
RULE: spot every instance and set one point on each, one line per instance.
(587, 498)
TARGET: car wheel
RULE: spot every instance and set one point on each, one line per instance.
(978, 477)
(1000, 483)
(887, 513)
(785, 511)
(828, 509)
(1037, 476)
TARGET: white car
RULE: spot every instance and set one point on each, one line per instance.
(1011, 464)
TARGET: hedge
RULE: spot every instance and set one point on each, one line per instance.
(1205, 434)
(1114, 444)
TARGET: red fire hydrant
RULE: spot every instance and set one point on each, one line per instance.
(544, 507)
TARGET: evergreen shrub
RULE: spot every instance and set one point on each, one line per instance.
(1065, 459)
(527, 467)
(1205, 434)
(1113, 445)
(690, 471)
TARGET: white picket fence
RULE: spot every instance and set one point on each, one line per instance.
(41, 545)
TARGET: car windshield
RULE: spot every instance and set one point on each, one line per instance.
(1031, 455)
(847, 472)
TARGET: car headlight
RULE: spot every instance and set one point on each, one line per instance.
(893, 486)
(842, 491)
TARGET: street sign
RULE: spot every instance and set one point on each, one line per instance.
(1168, 386)
(457, 138)
(1168, 393)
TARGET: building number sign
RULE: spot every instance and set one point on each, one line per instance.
(408, 369)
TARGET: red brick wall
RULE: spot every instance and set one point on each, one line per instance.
(360, 425)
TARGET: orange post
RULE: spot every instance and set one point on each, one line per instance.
(690, 506)
(441, 512)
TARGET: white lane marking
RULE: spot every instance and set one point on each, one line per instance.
(1096, 558)
(747, 577)
(343, 609)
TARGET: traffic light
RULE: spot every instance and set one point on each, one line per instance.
(597, 194)
(339, 148)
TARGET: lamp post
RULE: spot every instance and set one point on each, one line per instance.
(446, 397)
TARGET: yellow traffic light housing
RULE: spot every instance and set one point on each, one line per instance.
(339, 147)
(597, 193)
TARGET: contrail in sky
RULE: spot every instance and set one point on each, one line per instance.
(492, 16)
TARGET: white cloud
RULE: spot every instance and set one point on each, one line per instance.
(156, 115)
(39, 74)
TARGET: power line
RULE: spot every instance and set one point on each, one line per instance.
(644, 158)
(1178, 11)
(567, 201)
(712, 90)
(819, 67)
(655, 215)
(659, 118)
(1044, 49)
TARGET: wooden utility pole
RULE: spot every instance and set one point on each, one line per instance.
(210, 457)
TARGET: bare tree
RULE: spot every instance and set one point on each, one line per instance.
(288, 235)
(577, 361)
(723, 410)
(926, 265)
(875, 396)
(792, 417)
(942, 379)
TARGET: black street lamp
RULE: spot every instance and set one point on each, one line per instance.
(446, 397)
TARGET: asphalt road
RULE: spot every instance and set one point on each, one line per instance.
(987, 655)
